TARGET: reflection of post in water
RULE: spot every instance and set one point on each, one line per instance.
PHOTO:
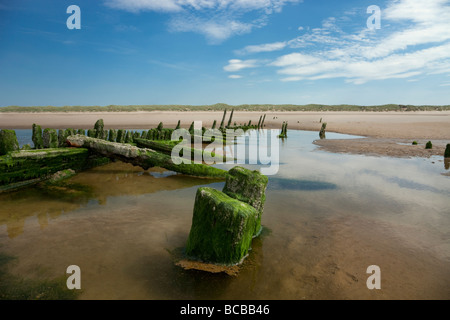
(447, 157)
(251, 268)
(45, 201)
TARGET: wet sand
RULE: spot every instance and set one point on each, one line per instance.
(390, 133)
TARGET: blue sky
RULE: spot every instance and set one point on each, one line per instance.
(195, 52)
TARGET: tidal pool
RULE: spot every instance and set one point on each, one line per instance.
(327, 218)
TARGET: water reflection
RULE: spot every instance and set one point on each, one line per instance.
(305, 185)
(330, 216)
(92, 187)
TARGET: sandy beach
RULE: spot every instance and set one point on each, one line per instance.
(387, 133)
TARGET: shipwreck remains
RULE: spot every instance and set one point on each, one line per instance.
(323, 130)
(283, 133)
(8, 141)
(144, 158)
(224, 223)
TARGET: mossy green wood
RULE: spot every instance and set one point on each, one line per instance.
(250, 187)
(447, 151)
(112, 136)
(322, 133)
(167, 146)
(91, 133)
(98, 128)
(120, 136)
(61, 138)
(38, 164)
(144, 158)
(50, 138)
(37, 136)
(429, 145)
(222, 228)
(8, 141)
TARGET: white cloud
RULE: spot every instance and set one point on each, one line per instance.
(144, 5)
(268, 47)
(234, 76)
(218, 20)
(237, 65)
(414, 41)
(177, 5)
(215, 30)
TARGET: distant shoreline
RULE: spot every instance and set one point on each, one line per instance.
(389, 133)
(222, 106)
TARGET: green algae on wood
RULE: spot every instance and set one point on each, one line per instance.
(91, 133)
(447, 151)
(322, 130)
(145, 158)
(112, 136)
(250, 187)
(37, 136)
(26, 165)
(222, 228)
(283, 133)
(429, 145)
(98, 128)
(8, 141)
(50, 138)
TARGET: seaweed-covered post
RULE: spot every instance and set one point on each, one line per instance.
(259, 122)
(322, 130)
(61, 138)
(112, 136)
(223, 119)
(429, 145)
(178, 125)
(231, 117)
(191, 128)
(98, 128)
(50, 138)
(222, 228)
(8, 141)
(264, 119)
(120, 136)
(283, 133)
(160, 126)
(249, 187)
(128, 137)
(224, 223)
(447, 151)
(91, 133)
(37, 137)
(214, 125)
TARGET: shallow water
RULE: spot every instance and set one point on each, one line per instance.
(327, 218)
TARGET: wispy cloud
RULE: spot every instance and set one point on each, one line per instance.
(415, 40)
(267, 47)
(237, 65)
(234, 76)
(217, 20)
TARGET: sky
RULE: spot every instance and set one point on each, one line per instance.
(200, 52)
